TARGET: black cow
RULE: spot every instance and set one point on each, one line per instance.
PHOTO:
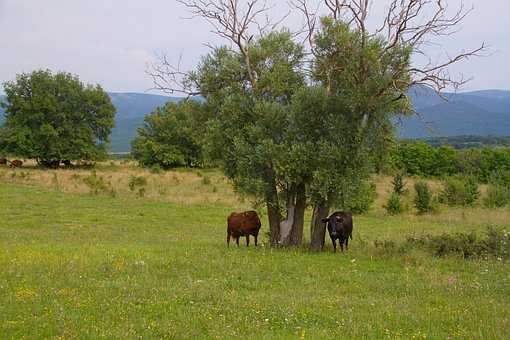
(339, 227)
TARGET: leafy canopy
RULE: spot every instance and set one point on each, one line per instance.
(53, 117)
(169, 137)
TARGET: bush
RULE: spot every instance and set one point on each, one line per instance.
(363, 200)
(96, 184)
(459, 191)
(394, 206)
(423, 198)
(495, 243)
(136, 181)
(399, 186)
(498, 196)
(206, 180)
(168, 138)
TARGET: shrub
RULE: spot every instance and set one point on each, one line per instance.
(96, 183)
(423, 198)
(168, 137)
(394, 206)
(136, 181)
(459, 191)
(155, 169)
(399, 186)
(206, 180)
(361, 203)
(498, 196)
(495, 243)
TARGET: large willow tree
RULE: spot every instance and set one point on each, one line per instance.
(297, 117)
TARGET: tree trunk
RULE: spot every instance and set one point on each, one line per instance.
(273, 209)
(291, 229)
(296, 235)
(317, 228)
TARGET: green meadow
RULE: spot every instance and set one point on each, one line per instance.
(122, 265)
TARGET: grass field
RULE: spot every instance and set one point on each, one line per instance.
(115, 265)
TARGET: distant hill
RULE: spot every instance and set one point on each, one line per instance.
(478, 113)
(131, 110)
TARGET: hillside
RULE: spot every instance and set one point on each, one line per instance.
(131, 109)
(478, 113)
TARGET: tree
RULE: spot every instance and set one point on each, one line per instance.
(55, 117)
(168, 137)
(290, 134)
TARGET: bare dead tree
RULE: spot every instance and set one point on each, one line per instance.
(170, 78)
(236, 21)
(410, 23)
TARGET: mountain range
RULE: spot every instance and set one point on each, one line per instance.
(478, 113)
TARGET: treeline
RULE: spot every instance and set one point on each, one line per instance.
(466, 142)
(421, 159)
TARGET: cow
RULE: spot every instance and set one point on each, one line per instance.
(339, 226)
(16, 163)
(3, 161)
(243, 224)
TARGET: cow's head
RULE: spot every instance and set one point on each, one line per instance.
(334, 221)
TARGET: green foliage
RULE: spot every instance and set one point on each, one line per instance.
(496, 244)
(169, 137)
(459, 191)
(97, 184)
(53, 117)
(399, 185)
(394, 206)
(421, 159)
(136, 181)
(359, 200)
(206, 180)
(498, 190)
(423, 201)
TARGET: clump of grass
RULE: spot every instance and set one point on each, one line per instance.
(138, 182)
(156, 169)
(55, 181)
(206, 180)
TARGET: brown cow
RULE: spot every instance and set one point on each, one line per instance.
(16, 164)
(243, 224)
(3, 161)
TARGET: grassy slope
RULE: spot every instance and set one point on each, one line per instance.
(74, 265)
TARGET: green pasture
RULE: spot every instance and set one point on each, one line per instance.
(82, 266)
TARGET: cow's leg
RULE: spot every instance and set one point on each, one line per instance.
(256, 236)
(247, 240)
(228, 239)
(347, 243)
(334, 244)
(237, 241)
(341, 241)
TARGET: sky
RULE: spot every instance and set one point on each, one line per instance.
(110, 42)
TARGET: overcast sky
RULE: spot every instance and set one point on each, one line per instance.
(110, 41)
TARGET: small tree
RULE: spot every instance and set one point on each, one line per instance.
(399, 186)
(168, 137)
(423, 198)
(55, 117)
